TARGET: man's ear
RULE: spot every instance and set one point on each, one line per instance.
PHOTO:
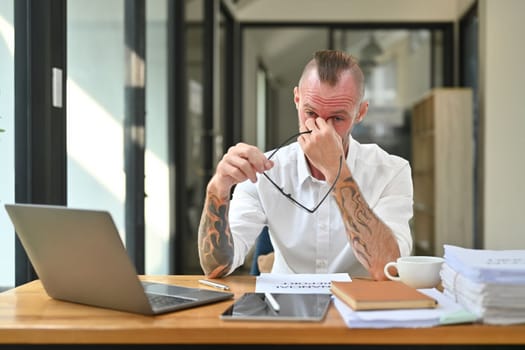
(296, 97)
(363, 109)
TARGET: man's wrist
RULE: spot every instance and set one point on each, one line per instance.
(340, 173)
(218, 189)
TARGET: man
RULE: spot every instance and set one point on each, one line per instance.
(362, 224)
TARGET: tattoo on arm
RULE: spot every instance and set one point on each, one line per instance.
(215, 240)
(373, 242)
(356, 217)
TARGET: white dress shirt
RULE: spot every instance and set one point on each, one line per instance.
(317, 242)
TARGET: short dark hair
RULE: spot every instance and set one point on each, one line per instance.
(331, 63)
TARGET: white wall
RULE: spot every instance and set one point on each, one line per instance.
(502, 82)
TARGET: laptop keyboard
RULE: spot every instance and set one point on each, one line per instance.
(161, 301)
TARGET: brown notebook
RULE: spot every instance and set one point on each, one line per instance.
(377, 295)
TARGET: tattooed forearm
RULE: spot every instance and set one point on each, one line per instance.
(372, 241)
(215, 241)
(356, 216)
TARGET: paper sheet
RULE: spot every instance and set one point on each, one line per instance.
(447, 312)
(297, 283)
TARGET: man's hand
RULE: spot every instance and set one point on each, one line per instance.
(322, 146)
(240, 163)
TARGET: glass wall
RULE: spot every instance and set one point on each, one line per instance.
(95, 106)
(156, 157)
(7, 166)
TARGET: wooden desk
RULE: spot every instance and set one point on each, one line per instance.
(29, 316)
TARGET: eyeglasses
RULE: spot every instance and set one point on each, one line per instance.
(289, 195)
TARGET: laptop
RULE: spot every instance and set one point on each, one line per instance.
(79, 257)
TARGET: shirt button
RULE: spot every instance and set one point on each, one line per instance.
(320, 263)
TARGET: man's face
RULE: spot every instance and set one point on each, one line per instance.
(339, 103)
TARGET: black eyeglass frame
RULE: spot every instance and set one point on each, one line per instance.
(289, 195)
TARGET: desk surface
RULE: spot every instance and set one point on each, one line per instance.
(29, 316)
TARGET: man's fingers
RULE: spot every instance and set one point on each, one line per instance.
(243, 162)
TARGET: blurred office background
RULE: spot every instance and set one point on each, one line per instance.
(127, 105)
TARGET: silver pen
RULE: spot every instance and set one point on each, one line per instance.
(271, 300)
(214, 284)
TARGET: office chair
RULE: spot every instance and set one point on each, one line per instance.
(263, 246)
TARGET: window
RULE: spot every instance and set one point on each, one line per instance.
(7, 187)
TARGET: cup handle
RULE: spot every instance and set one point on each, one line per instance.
(387, 274)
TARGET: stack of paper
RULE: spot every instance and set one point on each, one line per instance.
(446, 312)
(489, 283)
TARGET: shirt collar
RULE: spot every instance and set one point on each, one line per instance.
(303, 171)
(352, 153)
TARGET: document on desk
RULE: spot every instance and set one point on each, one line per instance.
(298, 283)
(487, 266)
(447, 312)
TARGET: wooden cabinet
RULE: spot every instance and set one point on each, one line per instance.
(442, 166)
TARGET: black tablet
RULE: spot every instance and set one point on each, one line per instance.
(290, 307)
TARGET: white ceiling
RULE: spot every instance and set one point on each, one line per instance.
(347, 10)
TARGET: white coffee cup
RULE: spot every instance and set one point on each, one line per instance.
(416, 271)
